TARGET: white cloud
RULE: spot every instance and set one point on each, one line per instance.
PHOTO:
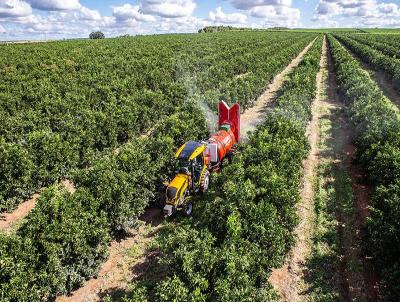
(248, 4)
(85, 13)
(390, 9)
(181, 25)
(380, 22)
(220, 17)
(263, 11)
(168, 8)
(277, 15)
(14, 8)
(130, 12)
(359, 13)
(328, 8)
(272, 12)
(2, 30)
(54, 5)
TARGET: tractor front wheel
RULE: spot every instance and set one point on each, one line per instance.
(162, 200)
(205, 181)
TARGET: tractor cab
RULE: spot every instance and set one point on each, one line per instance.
(192, 176)
(189, 160)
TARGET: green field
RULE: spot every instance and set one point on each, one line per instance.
(108, 115)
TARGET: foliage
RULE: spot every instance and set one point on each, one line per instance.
(378, 149)
(378, 59)
(67, 234)
(96, 35)
(384, 231)
(65, 105)
(16, 174)
(64, 240)
(212, 29)
(380, 43)
(118, 182)
(243, 226)
(83, 119)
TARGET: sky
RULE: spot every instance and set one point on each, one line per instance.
(58, 19)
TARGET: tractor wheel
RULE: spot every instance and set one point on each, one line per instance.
(188, 209)
(205, 181)
(161, 201)
(230, 157)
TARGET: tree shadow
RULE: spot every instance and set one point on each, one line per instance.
(147, 272)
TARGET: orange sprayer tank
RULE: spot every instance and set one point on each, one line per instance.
(221, 142)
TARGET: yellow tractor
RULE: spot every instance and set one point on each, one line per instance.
(195, 160)
(192, 176)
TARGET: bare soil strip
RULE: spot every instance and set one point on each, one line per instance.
(352, 278)
(363, 284)
(350, 282)
(286, 280)
(255, 115)
(127, 260)
(381, 78)
(9, 220)
(69, 186)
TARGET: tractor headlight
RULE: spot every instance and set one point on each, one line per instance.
(168, 210)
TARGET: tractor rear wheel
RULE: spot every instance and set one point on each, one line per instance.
(205, 181)
(188, 209)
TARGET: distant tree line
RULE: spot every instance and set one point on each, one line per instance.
(213, 29)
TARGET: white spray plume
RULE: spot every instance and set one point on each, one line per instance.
(194, 94)
(210, 116)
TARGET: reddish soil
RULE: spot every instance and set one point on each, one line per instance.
(382, 79)
(255, 115)
(361, 190)
(9, 220)
(69, 186)
(127, 260)
(353, 284)
(287, 278)
(339, 143)
(356, 285)
(362, 194)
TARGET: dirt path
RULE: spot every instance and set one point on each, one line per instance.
(255, 115)
(355, 270)
(383, 81)
(346, 273)
(339, 140)
(361, 278)
(286, 280)
(127, 260)
(349, 283)
(9, 221)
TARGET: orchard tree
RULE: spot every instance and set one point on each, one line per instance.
(97, 35)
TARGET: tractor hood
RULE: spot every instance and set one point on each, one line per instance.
(176, 188)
